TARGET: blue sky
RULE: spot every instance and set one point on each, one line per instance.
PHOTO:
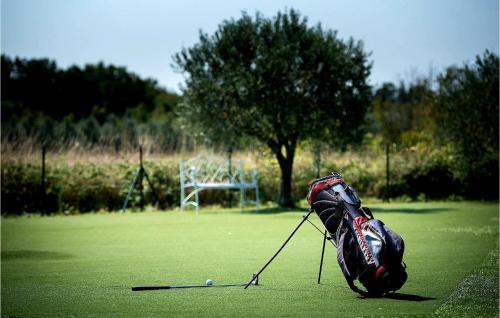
(406, 38)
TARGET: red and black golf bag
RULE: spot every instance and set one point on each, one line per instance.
(367, 249)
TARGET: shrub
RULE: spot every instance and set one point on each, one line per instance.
(94, 185)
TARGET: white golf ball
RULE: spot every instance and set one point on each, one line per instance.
(209, 282)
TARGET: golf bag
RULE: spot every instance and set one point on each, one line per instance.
(367, 249)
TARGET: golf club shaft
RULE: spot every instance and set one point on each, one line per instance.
(142, 288)
(282, 246)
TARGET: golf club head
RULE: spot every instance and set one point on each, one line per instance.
(255, 280)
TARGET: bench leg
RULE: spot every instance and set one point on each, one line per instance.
(257, 198)
(197, 200)
(242, 198)
(182, 198)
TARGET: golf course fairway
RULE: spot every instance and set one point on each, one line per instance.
(85, 265)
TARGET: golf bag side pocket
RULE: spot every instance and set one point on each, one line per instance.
(373, 255)
(389, 272)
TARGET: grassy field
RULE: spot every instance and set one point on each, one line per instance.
(84, 265)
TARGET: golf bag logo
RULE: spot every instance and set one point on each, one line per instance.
(367, 249)
(357, 224)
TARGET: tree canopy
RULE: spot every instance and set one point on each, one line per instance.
(468, 100)
(279, 81)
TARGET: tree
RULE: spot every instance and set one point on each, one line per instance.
(401, 112)
(468, 100)
(276, 80)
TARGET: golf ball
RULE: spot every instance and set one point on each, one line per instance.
(209, 282)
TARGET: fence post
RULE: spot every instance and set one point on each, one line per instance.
(181, 179)
(387, 172)
(42, 185)
(317, 158)
(230, 172)
(141, 171)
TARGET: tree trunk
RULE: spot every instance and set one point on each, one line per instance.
(286, 166)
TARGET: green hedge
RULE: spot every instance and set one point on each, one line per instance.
(85, 187)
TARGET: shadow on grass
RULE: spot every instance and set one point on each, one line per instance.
(276, 210)
(410, 210)
(400, 296)
(33, 255)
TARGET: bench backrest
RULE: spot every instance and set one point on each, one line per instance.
(212, 170)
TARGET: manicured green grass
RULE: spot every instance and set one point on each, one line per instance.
(85, 265)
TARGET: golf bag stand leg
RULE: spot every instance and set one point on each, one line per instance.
(322, 255)
(282, 246)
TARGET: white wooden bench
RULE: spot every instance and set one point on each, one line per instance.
(202, 173)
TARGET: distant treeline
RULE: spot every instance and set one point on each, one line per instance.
(95, 104)
(451, 120)
(38, 85)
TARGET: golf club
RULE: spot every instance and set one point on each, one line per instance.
(255, 281)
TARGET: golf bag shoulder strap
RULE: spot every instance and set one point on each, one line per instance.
(341, 236)
(356, 289)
